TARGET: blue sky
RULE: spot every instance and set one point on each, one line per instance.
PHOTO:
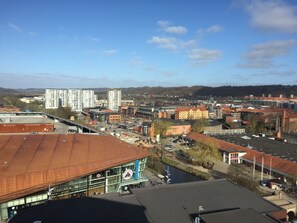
(132, 43)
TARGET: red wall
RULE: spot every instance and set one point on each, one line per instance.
(26, 128)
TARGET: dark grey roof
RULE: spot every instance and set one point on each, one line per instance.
(264, 144)
(236, 216)
(174, 203)
(164, 203)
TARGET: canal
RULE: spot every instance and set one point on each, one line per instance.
(179, 176)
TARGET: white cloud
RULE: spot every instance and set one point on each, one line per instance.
(256, 64)
(204, 56)
(262, 55)
(166, 27)
(270, 49)
(272, 15)
(15, 27)
(289, 73)
(95, 39)
(211, 29)
(136, 61)
(55, 80)
(171, 43)
(164, 42)
(110, 52)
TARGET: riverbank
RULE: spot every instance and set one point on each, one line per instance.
(156, 164)
(204, 175)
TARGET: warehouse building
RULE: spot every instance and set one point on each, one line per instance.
(36, 168)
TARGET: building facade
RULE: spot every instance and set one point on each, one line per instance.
(114, 98)
(191, 113)
(76, 99)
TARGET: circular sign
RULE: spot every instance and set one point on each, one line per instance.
(127, 174)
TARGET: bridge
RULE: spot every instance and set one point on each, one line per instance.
(77, 126)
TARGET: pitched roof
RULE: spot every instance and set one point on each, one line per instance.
(29, 163)
(200, 108)
(277, 164)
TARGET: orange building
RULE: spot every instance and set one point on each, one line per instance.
(178, 130)
(26, 128)
(191, 113)
(9, 109)
(114, 117)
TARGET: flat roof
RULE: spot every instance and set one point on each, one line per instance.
(164, 203)
(264, 144)
(29, 163)
(236, 216)
(278, 164)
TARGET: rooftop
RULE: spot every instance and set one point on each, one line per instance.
(287, 167)
(264, 144)
(164, 203)
(29, 163)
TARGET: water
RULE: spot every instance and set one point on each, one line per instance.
(179, 176)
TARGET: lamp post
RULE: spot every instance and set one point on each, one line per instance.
(197, 219)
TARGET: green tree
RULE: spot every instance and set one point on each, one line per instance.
(256, 124)
(61, 112)
(237, 173)
(199, 125)
(161, 127)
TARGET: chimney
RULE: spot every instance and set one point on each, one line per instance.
(263, 95)
(280, 95)
(269, 95)
(292, 96)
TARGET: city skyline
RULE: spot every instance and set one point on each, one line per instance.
(118, 44)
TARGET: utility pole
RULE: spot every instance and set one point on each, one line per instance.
(270, 168)
(254, 167)
(262, 168)
(197, 219)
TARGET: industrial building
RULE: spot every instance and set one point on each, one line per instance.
(37, 168)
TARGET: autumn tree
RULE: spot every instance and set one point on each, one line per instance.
(161, 127)
(62, 112)
(199, 125)
(256, 124)
(237, 173)
(204, 154)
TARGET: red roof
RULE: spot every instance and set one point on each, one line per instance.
(29, 163)
(278, 164)
(200, 108)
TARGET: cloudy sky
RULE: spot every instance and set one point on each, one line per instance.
(131, 43)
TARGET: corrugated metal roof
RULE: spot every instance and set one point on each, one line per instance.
(29, 163)
(278, 164)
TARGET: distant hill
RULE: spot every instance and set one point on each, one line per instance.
(274, 90)
(183, 91)
(5, 91)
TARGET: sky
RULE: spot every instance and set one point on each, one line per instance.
(134, 43)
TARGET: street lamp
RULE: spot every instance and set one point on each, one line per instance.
(197, 219)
